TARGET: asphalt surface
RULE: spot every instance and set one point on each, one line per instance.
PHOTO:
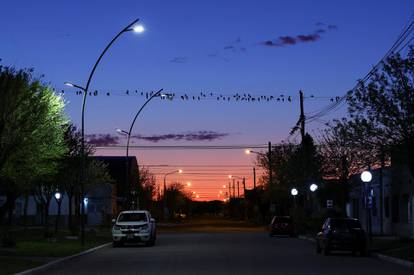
(224, 253)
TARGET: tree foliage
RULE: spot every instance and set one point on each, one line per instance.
(383, 108)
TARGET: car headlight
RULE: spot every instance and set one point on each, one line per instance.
(116, 228)
(145, 228)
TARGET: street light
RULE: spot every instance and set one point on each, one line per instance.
(294, 192)
(366, 178)
(129, 27)
(179, 171)
(58, 198)
(188, 184)
(313, 187)
(128, 134)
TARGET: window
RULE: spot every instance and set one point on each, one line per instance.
(132, 217)
(387, 207)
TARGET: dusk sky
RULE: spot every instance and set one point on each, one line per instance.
(261, 48)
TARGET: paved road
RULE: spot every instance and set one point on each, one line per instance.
(224, 253)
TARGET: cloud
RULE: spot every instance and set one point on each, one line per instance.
(102, 139)
(288, 40)
(179, 59)
(190, 136)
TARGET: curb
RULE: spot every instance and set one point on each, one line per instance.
(306, 238)
(61, 260)
(376, 255)
(394, 260)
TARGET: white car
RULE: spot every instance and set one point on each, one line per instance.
(134, 226)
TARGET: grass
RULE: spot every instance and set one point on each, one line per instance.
(11, 265)
(33, 249)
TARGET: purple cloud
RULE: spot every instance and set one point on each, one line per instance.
(308, 38)
(288, 40)
(101, 140)
(190, 136)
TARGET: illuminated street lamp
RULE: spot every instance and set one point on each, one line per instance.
(128, 134)
(188, 184)
(313, 187)
(366, 178)
(58, 198)
(294, 192)
(131, 27)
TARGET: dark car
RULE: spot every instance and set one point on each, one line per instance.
(282, 225)
(343, 234)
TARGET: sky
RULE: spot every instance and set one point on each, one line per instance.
(208, 49)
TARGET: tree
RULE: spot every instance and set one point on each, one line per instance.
(383, 108)
(31, 136)
(69, 175)
(147, 188)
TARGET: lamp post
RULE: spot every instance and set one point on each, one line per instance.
(166, 212)
(243, 181)
(294, 192)
(128, 134)
(58, 198)
(130, 27)
(366, 178)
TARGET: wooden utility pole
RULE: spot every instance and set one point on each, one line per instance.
(254, 177)
(302, 116)
(269, 158)
(238, 190)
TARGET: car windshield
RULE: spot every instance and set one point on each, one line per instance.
(345, 224)
(132, 217)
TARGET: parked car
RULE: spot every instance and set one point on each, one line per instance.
(282, 225)
(134, 226)
(343, 234)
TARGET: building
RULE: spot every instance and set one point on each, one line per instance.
(102, 201)
(392, 213)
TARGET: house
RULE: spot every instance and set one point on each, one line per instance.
(392, 212)
(102, 201)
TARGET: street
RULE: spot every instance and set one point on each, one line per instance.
(224, 253)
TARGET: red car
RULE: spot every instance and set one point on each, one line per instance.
(282, 225)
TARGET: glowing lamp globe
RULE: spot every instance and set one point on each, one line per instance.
(313, 187)
(294, 191)
(366, 176)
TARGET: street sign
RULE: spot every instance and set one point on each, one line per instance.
(329, 203)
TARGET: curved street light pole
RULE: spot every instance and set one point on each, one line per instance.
(166, 212)
(128, 134)
(85, 93)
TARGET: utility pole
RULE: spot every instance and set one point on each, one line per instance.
(238, 190)
(229, 189)
(234, 189)
(244, 187)
(254, 177)
(302, 116)
(269, 158)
